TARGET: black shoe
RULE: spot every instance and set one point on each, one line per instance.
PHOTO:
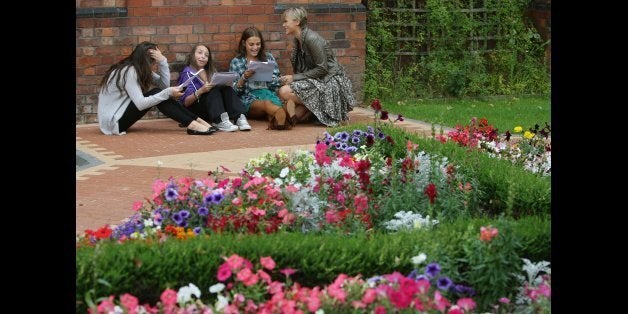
(181, 125)
(194, 132)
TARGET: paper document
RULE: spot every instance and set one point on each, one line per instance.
(223, 78)
(263, 71)
(189, 80)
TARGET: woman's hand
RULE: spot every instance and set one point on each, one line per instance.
(247, 74)
(156, 54)
(176, 92)
(205, 88)
(286, 79)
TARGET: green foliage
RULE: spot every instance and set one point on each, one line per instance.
(451, 56)
(145, 268)
(506, 188)
(492, 264)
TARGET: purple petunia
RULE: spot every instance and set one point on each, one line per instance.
(171, 194)
(413, 274)
(184, 214)
(176, 217)
(218, 197)
(463, 290)
(203, 211)
(444, 283)
(343, 136)
(209, 198)
(432, 270)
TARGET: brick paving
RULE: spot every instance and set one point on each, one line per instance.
(105, 193)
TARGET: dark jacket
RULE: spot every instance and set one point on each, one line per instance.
(314, 59)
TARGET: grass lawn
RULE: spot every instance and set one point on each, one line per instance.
(504, 113)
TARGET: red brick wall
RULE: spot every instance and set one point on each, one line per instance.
(103, 37)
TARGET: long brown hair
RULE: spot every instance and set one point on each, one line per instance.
(209, 67)
(248, 33)
(140, 60)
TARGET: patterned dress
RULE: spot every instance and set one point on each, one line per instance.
(329, 98)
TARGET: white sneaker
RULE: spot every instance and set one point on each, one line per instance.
(225, 125)
(242, 124)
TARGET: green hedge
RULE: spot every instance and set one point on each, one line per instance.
(145, 269)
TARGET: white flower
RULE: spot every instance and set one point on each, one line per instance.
(221, 303)
(216, 288)
(320, 311)
(185, 293)
(148, 222)
(195, 290)
(417, 260)
(284, 172)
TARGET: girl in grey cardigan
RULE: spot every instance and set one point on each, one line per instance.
(130, 88)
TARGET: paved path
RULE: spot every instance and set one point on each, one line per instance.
(126, 166)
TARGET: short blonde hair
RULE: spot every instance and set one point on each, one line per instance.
(297, 14)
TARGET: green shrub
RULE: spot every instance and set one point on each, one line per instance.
(146, 268)
(506, 188)
(447, 51)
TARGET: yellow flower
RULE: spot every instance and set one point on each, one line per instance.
(518, 129)
(528, 135)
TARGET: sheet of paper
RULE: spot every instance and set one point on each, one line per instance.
(189, 80)
(223, 78)
(263, 71)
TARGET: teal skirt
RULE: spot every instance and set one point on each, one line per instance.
(266, 94)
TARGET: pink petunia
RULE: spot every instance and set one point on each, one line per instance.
(455, 310)
(168, 297)
(251, 195)
(267, 262)
(129, 301)
(137, 205)
(264, 276)
(369, 296)
(247, 277)
(466, 303)
(288, 271)
(440, 302)
(224, 272)
(292, 189)
(107, 305)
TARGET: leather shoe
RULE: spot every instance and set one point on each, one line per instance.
(208, 132)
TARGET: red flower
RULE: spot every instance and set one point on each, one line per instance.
(376, 105)
(430, 191)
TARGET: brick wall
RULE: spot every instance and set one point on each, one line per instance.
(108, 30)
